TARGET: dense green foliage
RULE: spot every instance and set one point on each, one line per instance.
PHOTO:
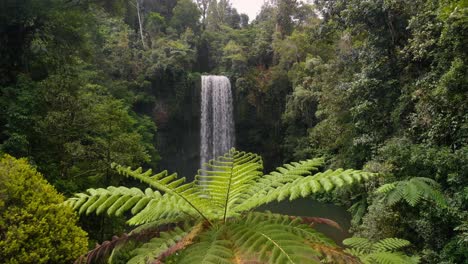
(214, 215)
(377, 84)
(35, 225)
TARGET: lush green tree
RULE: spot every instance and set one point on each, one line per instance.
(209, 219)
(186, 15)
(35, 225)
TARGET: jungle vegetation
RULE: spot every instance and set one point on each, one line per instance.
(377, 85)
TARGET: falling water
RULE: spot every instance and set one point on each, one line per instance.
(217, 124)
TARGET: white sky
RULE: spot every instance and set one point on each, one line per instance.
(249, 7)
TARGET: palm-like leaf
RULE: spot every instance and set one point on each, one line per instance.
(215, 203)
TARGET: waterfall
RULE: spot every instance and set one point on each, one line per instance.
(217, 124)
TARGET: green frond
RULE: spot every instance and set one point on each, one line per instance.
(335, 255)
(149, 251)
(382, 252)
(387, 258)
(386, 188)
(112, 199)
(212, 248)
(301, 186)
(226, 177)
(390, 244)
(296, 226)
(412, 191)
(273, 238)
(147, 206)
(356, 252)
(171, 185)
(359, 243)
(166, 209)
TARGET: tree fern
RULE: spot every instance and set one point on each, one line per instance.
(384, 251)
(217, 204)
(412, 191)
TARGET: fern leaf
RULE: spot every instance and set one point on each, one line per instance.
(390, 244)
(147, 206)
(150, 250)
(169, 184)
(182, 243)
(212, 249)
(275, 239)
(227, 177)
(358, 243)
(319, 182)
(386, 188)
(412, 191)
(335, 255)
(382, 252)
(387, 258)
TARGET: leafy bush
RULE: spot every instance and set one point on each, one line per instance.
(210, 220)
(35, 226)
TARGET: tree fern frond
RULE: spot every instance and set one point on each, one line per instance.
(276, 239)
(213, 248)
(412, 191)
(358, 243)
(150, 250)
(171, 185)
(285, 174)
(226, 177)
(111, 199)
(382, 252)
(390, 244)
(335, 255)
(303, 186)
(104, 250)
(147, 206)
(394, 196)
(299, 226)
(185, 241)
(386, 188)
(167, 209)
(387, 258)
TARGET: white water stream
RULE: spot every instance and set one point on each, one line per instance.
(217, 123)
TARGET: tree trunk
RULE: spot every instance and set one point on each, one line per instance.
(140, 24)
